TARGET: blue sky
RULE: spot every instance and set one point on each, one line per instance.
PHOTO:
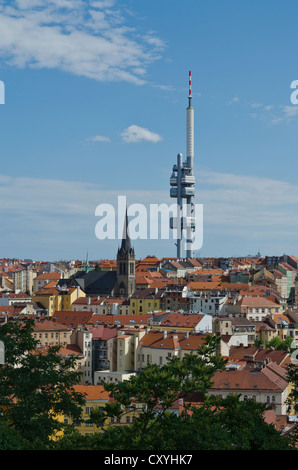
(79, 74)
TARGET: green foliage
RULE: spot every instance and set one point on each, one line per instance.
(10, 439)
(277, 343)
(157, 387)
(219, 424)
(292, 402)
(258, 343)
(35, 387)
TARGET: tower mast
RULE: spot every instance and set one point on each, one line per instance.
(183, 181)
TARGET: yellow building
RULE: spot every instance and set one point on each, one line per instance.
(145, 301)
(54, 298)
(95, 397)
(127, 343)
(49, 333)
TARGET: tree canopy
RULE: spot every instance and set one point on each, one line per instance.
(35, 385)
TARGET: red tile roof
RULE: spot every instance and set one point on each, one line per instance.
(270, 378)
(157, 339)
(93, 392)
(55, 276)
(71, 318)
(184, 320)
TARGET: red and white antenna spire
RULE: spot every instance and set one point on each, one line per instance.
(189, 84)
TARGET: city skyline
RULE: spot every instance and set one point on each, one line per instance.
(95, 108)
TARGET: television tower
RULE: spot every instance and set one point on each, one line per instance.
(182, 183)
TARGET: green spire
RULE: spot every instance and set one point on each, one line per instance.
(87, 264)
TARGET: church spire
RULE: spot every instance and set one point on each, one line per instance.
(87, 264)
(126, 282)
(126, 242)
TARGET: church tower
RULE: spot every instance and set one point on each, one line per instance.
(126, 283)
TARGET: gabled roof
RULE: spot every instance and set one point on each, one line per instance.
(159, 340)
(54, 276)
(102, 332)
(93, 392)
(96, 282)
(256, 301)
(197, 285)
(49, 325)
(71, 318)
(110, 319)
(184, 320)
(269, 379)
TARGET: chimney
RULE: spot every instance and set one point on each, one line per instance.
(165, 333)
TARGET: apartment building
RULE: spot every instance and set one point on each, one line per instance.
(254, 308)
(44, 278)
(56, 298)
(264, 383)
(239, 329)
(182, 322)
(95, 397)
(102, 305)
(83, 338)
(128, 340)
(145, 301)
(156, 347)
(207, 302)
(49, 333)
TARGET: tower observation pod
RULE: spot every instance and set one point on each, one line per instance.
(182, 183)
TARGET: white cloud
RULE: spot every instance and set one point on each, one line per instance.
(75, 36)
(240, 201)
(57, 217)
(273, 114)
(99, 138)
(138, 134)
(234, 100)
